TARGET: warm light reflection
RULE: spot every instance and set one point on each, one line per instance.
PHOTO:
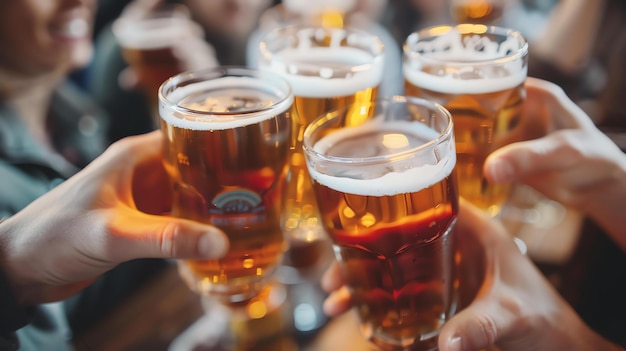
(368, 220)
(256, 309)
(395, 141)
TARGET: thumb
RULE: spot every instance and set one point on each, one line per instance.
(518, 161)
(476, 327)
(139, 235)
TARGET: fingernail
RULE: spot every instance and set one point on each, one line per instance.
(501, 171)
(212, 245)
(455, 344)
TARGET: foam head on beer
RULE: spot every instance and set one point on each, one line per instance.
(463, 52)
(324, 62)
(224, 103)
(371, 143)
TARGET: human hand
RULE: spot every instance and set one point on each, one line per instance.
(575, 164)
(505, 301)
(104, 215)
(515, 308)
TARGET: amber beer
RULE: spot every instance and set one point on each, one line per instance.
(327, 13)
(148, 46)
(387, 192)
(327, 68)
(476, 11)
(479, 78)
(227, 140)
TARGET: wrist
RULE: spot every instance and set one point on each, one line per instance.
(14, 315)
(608, 205)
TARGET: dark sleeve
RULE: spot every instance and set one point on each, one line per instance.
(12, 316)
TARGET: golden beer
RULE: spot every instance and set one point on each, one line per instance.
(227, 140)
(476, 11)
(479, 78)
(327, 68)
(387, 192)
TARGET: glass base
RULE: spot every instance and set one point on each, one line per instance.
(237, 291)
(427, 342)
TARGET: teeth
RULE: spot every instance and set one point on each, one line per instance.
(76, 28)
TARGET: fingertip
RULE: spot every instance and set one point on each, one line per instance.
(499, 170)
(454, 343)
(331, 280)
(212, 244)
(337, 302)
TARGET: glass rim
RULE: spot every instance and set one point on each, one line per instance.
(268, 55)
(465, 28)
(285, 97)
(447, 133)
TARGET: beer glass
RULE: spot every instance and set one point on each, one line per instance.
(477, 72)
(327, 68)
(385, 182)
(149, 39)
(227, 134)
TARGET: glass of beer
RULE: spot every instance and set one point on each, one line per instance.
(477, 72)
(227, 134)
(327, 68)
(385, 182)
(149, 39)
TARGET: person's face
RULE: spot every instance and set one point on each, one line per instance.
(41, 36)
(229, 19)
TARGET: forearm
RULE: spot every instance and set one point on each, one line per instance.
(608, 206)
(14, 315)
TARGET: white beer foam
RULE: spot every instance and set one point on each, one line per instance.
(318, 6)
(154, 33)
(467, 72)
(224, 89)
(441, 161)
(328, 61)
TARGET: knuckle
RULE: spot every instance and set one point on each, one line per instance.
(487, 328)
(168, 238)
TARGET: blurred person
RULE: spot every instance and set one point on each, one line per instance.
(516, 308)
(98, 218)
(49, 129)
(226, 25)
(403, 17)
(582, 47)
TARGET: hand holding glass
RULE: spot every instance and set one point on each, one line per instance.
(477, 73)
(386, 188)
(227, 136)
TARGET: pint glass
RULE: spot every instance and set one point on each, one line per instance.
(477, 72)
(327, 68)
(227, 134)
(387, 193)
(148, 41)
